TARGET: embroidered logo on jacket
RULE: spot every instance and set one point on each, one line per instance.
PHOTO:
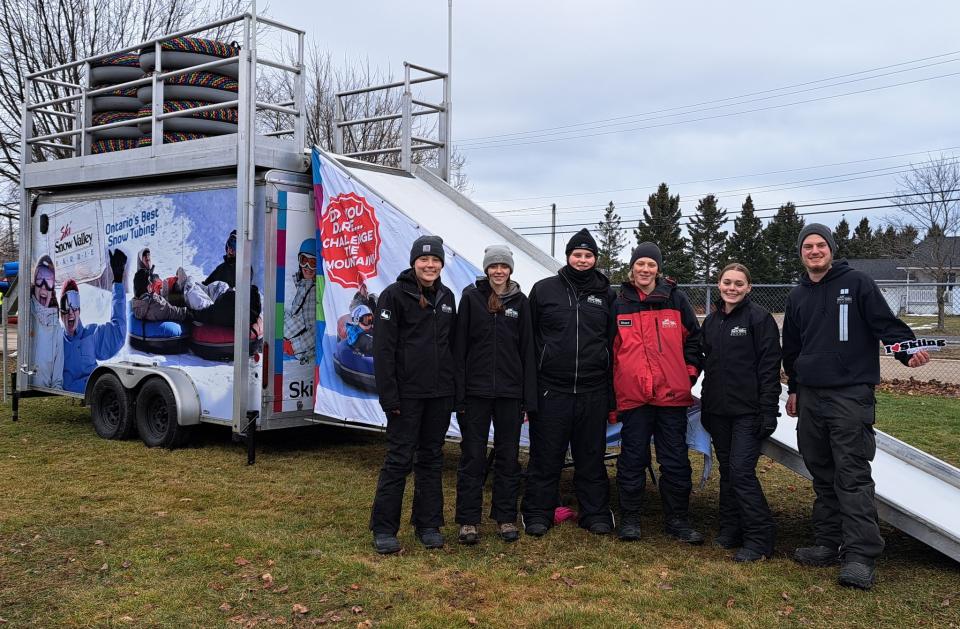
(510, 312)
(625, 323)
(668, 323)
(445, 308)
(738, 331)
(596, 301)
(385, 314)
(844, 297)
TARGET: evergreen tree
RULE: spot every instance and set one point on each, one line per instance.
(747, 246)
(842, 237)
(883, 241)
(661, 225)
(862, 244)
(906, 241)
(781, 239)
(610, 242)
(707, 240)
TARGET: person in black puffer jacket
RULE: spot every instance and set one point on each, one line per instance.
(414, 370)
(739, 402)
(572, 328)
(496, 377)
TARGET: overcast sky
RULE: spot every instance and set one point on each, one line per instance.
(581, 103)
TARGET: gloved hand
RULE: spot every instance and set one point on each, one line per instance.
(765, 426)
(118, 262)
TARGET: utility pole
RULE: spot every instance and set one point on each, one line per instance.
(553, 229)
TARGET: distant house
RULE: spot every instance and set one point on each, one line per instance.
(902, 279)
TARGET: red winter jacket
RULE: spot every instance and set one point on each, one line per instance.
(656, 350)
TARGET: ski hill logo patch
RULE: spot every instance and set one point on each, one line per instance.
(596, 301)
(625, 323)
(510, 312)
(444, 307)
(668, 323)
(385, 314)
(844, 298)
(738, 331)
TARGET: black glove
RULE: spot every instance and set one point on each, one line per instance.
(118, 262)
(765, 426)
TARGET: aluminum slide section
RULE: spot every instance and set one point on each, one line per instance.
(916, 493)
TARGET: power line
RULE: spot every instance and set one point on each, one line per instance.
(492, 144)
(721, 100)
(691, 109)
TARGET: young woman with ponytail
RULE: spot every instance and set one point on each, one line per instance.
(414, 369)
(496, 379)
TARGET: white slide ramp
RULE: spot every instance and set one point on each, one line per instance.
(916, 493)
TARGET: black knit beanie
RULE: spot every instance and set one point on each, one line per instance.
(820, 230)
(647, 250)
(427, 246)
(582, 240)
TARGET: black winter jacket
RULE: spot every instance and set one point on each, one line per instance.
(741, 375)
(494, 352)
(226, 271)
(572, 329)
(832, 327)
(412, 346)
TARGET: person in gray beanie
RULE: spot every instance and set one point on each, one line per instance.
(647, 250)
(820, 230)
(496, 378)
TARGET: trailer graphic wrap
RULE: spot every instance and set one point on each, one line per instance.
(364, 244)
(146, 279)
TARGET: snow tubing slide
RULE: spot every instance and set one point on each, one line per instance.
(213, 122)
(114, 69)
(215, 342)
(158, 337)
(185, 52)
(205, 86)
(131, 132)
(354, 367)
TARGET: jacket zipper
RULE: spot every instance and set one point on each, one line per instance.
(656, 325)
(576, 364)
(494, 355)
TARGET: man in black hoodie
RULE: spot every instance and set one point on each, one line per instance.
(572, 329)
(833, 321)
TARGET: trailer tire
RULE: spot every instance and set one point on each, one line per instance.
(111, 408)
(157, 416)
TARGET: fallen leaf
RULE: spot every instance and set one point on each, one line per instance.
(186, 500)
(364, 623)
(104, 568)
(472, 620)
(267, 579)
(3, 621)
(730, 602)
(216, 586)
(664, 586)
(271, 563)
(228, 545)
(225, 607)
(570, 582)
(159, 514)
(126, 564)
(554, 576)
(663, 574)
(786, 610)
(945, 603)
(281, 589)
(126, 618)
(336, 618)
(784, 596)
(354, 586)
(99, 542)
(791, 488)
(579, 567)
(299, 609)
(356, 609)
(814, 588)
(240, 561)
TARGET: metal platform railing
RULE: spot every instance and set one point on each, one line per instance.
(75, 104)
(409, 143)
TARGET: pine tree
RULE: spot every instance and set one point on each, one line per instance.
(611, 240)
(707, 240)
(781, 239)
(747, 246)
(862, 244)
(906, 241)
(842, 237)
(661, 225)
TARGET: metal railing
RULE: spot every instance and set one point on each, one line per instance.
(78, 104)
(409, 143)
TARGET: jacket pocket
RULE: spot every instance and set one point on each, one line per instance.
(821, 369)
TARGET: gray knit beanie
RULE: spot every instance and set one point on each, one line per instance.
(647, 250)
(497, 254)
(820, 230)
(427, 246)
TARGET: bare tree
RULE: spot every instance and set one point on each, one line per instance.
(931, 201)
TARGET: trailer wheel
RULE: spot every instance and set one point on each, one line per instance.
(157, 416)
(111, 408)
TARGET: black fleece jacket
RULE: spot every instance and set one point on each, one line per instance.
(413, 346)
(494, 352)
(832, 327)
(573, 328)
(741, 375)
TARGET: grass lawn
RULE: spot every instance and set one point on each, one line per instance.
(101, 533)
(925, 325)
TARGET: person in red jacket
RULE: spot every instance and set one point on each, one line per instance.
(656, 359)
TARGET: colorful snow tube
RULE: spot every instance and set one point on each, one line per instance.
(185, 52)
(205, 86)
(131, 132)
(212, 122)
(215, 342)
(354, 367)
(109, 146)
(169, 138)
(159, 337)
(11, 269)
(118, 68)
(123, 99)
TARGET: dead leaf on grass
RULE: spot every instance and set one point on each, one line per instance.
(354, 586)
(225, 607)
(240, 561)
(271, 563)
(267, 579)
(664, 574)
(579, 567)
(785, 611)
(99, 542)
(126, 618)
(730, 602)
(814, 588)
(784, 596)
(159, 514)
(281, 589)
(104, 568)
(216, 586)
(299, 609)
(945, 603)
(126, 564)
(570, 582)
(364, 623)
(791, 488)
(186, 500)
(554, 576)
(664, 586)
(3, 621)
(356, 609)
(472, 620)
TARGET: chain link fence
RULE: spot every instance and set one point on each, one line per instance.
(915, 303)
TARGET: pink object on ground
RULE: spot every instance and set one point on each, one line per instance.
(562, 514)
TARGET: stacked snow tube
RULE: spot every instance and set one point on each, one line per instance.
(212, 122)
(159, 337)
(203, 86)
(215, 342)
(184, 52)
(120, 104)
(170, 138)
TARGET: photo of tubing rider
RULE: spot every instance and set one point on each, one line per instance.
(151, 298)
(84, 345)
(353, 357)
(226, 271)
(300, 317)
(360, 330)
(46, 337)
